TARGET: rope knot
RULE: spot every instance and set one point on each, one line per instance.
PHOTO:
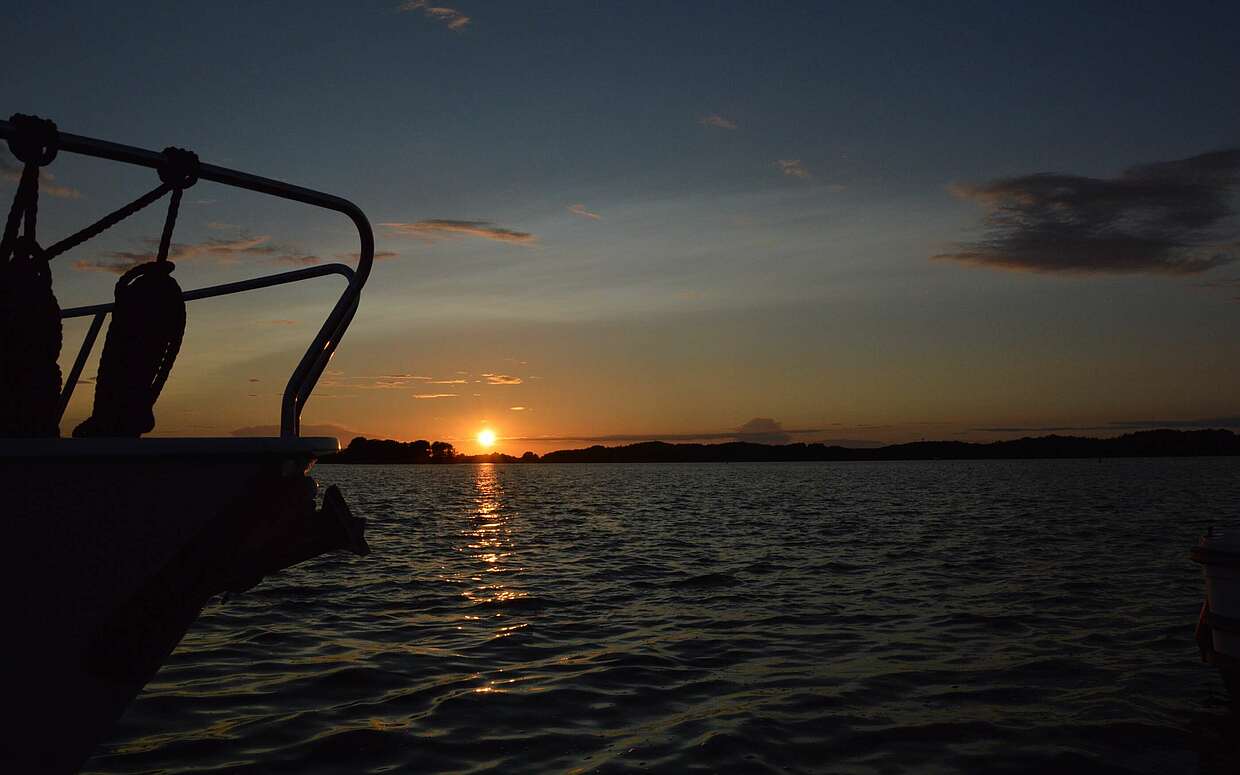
(180, 168)
(26, 250)
(35, 140)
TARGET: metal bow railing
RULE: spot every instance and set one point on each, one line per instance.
(306, 375)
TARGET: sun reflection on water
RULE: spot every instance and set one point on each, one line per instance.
(488, 539)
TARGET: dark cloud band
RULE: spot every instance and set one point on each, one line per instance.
(1169, 218)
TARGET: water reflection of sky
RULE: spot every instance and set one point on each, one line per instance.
(572, 618)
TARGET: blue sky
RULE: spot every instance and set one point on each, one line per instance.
(662, 219)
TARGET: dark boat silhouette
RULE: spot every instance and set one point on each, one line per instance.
(117, 541)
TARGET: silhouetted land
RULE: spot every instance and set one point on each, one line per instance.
(1157, 443)
(364, 450)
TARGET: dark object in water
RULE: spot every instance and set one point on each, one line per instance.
(116, 542)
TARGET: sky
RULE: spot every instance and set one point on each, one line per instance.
(609, 222)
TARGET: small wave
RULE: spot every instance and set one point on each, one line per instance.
(513, 604)
(706, 581)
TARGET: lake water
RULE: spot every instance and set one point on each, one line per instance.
(993, 616)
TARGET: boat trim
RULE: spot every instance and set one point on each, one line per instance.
(166, 448)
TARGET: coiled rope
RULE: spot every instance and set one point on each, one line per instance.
(148, 319)
(30, 328)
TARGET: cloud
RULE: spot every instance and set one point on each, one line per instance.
(47, 186)
(379, 255)
(454, 19)
(436, 229)
(716, 120)
(225, 251)
(763, 430)
(294, 259)
(502, 379)
(793, 168)
(1122, 425)
(517, 408)
(1167, 218)
(220, 249)
(434, 395)
(1231, 284)
(223, 248)
(1209, 422)
(388, 382)
(12, 170)
(584, 213)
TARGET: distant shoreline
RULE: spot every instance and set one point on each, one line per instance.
(1154, 443)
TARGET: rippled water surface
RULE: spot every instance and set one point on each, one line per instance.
(855, 617)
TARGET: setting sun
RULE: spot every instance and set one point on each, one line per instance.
(486, 437)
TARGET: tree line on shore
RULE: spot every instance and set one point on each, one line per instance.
(1154, 443)
(364, 450)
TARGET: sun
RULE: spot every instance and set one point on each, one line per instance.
(486, 437)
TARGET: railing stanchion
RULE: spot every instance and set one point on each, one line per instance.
(88, 344)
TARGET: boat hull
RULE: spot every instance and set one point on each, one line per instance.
(116, 546)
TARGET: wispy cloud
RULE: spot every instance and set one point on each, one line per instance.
(437, 228)
(227, 251)
(12, 170)
(222, 250)
(1122, 425)
(1168, 218)
(716, 120)
(297, 259)
(584, 213)
(517, 408)
(380, 255)
(502, 379)
(793, 168)
(423, 396)
(390, 382)
(47, 185)
(386, 382)
(454, 19)
(1231, 284)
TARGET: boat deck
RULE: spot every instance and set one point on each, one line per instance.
(232, 448)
